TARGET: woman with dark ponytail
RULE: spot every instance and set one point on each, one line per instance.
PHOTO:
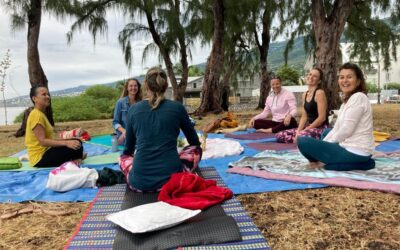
(43, 150)
(151, 137)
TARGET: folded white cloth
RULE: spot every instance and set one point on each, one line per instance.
(216, 148)
(70, 176)
(151, 217)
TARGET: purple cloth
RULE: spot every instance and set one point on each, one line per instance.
(251, 136)
(339, 181)
(272, 146)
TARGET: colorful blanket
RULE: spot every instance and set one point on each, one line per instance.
(251, 136)
(261, 146)
(339, 181)
(386, 171)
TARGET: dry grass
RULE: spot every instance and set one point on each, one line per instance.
(328, 218)
(39, 231)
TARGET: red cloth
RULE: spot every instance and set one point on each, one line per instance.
(190, 191)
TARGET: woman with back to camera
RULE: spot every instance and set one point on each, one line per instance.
(43, 150)
(131, 94)
(350, 144)
(153, 128)
(314, 117)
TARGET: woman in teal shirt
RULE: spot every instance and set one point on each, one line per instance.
(153, 126)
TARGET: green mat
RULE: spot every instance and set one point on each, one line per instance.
(7, 163)
(27, 167)
(102, 159)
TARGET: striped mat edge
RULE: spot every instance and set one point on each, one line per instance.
(95, 232)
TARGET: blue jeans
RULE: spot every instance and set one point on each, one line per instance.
(333, 155)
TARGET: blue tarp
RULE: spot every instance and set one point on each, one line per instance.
(30, 185)
(90, 148)
(389, 146)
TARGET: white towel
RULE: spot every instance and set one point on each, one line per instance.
(70, 176)
(216, 148)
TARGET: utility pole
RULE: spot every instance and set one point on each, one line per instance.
(379, 78)
(4, 65)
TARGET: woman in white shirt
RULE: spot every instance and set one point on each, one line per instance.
(350, 144)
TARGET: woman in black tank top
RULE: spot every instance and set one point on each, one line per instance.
(314, 116)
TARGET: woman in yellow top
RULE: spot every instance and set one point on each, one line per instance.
(43, 150)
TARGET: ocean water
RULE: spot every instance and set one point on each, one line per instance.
(12, 112)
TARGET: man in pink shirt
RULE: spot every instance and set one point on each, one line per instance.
(281, 103)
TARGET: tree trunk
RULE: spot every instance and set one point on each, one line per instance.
(265, 85)
(263, 47)
(36, 73)
(181, 88)
(178, 90)
(35, 70)
(225, 89)
(211, 91)
(328, 28)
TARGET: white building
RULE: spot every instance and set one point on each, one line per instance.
(193, 88)
(377, 74)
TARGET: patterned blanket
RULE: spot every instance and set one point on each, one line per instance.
(387, 170)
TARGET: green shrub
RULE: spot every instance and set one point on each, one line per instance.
(82, 107)
(74, 108)
(372, 87)
(19, 117)
(101, 91)
(392, 85)
(289, 75)
(96, 102)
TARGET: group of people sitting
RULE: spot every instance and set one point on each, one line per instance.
(348, 145)
(149, 128)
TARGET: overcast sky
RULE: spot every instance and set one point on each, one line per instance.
(80, 63)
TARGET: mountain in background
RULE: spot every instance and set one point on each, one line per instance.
(297, 58)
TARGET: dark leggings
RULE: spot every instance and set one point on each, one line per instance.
(55, 156)
(333, 155)
(276, 126)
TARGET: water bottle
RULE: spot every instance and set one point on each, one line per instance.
(114, 142)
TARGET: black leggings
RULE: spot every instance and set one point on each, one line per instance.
(55, 156)
(276, 126)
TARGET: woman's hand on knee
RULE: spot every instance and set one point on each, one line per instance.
(73, 144)
(251, 123)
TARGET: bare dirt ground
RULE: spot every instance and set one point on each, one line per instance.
(326, 218)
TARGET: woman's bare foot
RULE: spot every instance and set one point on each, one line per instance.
(316, 164)
(265, 130)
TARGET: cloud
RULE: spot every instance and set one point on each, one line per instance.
(80, 63)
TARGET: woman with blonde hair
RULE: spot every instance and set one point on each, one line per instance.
(131, 94)
(151, 137)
